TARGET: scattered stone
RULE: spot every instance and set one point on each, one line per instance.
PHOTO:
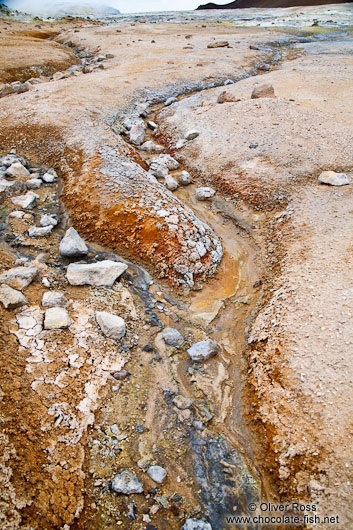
(16, 214)
(218, 44)
(191, 135)
(229, 82)
(121, 375)
(27, 202)
(138, 132)
(49, 177)
(182, 402)
(226, 97)
(157, 473)
(170, 101)
(263, 91)
(98, 274)
(10, 298)
(171, 183)
(334, 179)
(111, 325)
(56, 318)
(8, 188)
(158, 169)
(168, 161)
(72, 245)
(48, 220)
(127, 483)
(40, 232)
(140, 429)
(151, 147)
(19, 277)
(203, 194)
(34, 184)
(152, 125)
(17, 170)
(264, 67)
(193, 524)
(173, 337)
(203, 350)
(53, 299)
(184, 178)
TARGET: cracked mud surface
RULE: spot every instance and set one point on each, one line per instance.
(269, 417)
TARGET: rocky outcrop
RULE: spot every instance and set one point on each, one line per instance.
(243, 4)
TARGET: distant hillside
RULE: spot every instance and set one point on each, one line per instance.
(62, 9)
(243, 4)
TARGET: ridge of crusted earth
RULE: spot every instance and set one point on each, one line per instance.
(78, 425)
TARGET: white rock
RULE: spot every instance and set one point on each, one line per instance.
(184, 178)
(34, 184)
(170, 101)
(43, 231)
(168, 161)
(17, 170)
(56, 318)
(111, 325)
(10, 298)
(191, 135)
(27, 202)
(157, 473)
(72, 245)
(196, 524)
(158, 169)
(16, 214)
(98, 274)
(53, 299)
(203, 194)
(203, 350)
(48, 220)
(8, 188)
(127, 483)
(152, 125)
(49, 177)
(19, 277)
(138, 132)
(171, 183)
(334, 179)
(151, 147)
(173, 337)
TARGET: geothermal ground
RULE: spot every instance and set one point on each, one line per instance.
(176, 287)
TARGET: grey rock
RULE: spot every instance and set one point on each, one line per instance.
(8, 188)
(191, 135)
(157, 473)
(56, 318)
(138, 132)
(229, 82)
(10, 298)
(203, 194)
(158, 169)
(17, 170)
(50, 176)
(334, 179)
(34, 184)
(184, 178)
(168, 161)
(127, 483)
(171, 183)
(19, 277)
(53, 299)
(170, 101)
(98, 274)
(112, 326)
(182, 402)
(193, 524)
(72, 245)
(121, 375)
(263, 91)
(43, 231)
(27, 202)
(173, 337)
(203, 350)
(48, 220)
(152, 125)
(151, 147)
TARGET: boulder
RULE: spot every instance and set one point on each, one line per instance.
(10, 298)
(53, 299)
(17, 170)
(334, 179)
(158, 169)
(27, 202)
(196, 524)
(48, 220)
(203, 350)
(111, 325)
(19, 277)
(97, 274)
(171, 183)
(56, 318)
(72, 245)
(8, 188)
(168, 161)
(42, 231)
(157, 473)
(203, 194)
(263, 91)
(138, 132)
(173, 337)
(151, 147)
(184, 178)
(34, 184)
(49, 177)
(126, 483)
